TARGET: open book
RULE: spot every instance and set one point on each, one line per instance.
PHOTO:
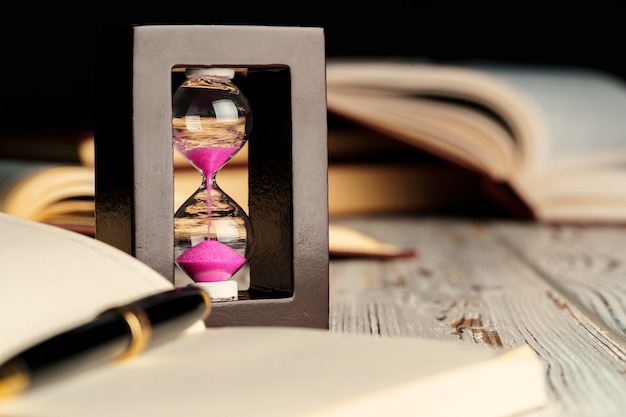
(554, 139)
(55, 193)
(54, 279)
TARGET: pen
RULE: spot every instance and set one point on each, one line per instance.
(117, 333)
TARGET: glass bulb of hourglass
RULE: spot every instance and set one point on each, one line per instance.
(210, 123)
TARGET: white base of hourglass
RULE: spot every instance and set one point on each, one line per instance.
(219, 290)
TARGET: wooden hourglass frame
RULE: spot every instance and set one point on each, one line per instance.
(285, 85)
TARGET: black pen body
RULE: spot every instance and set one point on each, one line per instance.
(89, 345)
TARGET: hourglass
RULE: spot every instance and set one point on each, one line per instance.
(283, 69)
(211, 120)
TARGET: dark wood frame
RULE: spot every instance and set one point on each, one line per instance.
(288, 205)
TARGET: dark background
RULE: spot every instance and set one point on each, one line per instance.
(48, 53)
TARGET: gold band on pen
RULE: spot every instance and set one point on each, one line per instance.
(140, 330)
(207, 304)
(14, 378)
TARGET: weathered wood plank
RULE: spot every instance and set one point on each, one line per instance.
(587, 263)
(500, 284)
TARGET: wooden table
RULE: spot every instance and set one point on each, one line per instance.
(561, 289)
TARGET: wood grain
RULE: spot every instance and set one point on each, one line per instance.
(561, 289)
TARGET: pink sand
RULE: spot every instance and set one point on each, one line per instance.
(211, 159)
(210, 261)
